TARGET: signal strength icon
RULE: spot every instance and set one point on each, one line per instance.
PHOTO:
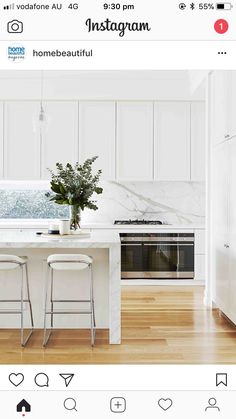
(9, 7)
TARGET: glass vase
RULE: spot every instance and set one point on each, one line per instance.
(75, 217)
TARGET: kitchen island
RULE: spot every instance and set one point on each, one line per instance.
(103, 246)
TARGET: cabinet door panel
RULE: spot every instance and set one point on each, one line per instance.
(22, 141)
(135, 141)
(221, 94)
(198, 144)
(232, 110)
(1, 140)
(60, 137)
(200, 268)
(97, 135)
(232, 227)
(220, 225)
(200, 242)
(172, 141)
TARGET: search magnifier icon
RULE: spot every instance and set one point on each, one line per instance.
(70, 404)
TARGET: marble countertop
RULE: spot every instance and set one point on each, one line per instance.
(25, 238)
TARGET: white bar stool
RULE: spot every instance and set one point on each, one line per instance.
(64, 262)
(10, 262)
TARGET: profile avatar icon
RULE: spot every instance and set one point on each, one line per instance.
(212, 402)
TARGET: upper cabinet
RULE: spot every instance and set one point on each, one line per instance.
(134, 158)
(232, 125)
(172, 141)
(198, 143)
(223, 103)
(21, 141)
(1, 140)
(134, 141)
(59, 139)
(97, 135)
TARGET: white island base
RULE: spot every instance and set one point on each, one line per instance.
(103, 246)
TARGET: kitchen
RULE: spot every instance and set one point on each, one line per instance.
(151, 246)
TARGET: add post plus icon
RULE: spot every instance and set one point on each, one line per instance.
(67, 378)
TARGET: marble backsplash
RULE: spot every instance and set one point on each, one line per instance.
(171, 202)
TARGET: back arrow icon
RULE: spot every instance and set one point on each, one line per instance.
(67, 378)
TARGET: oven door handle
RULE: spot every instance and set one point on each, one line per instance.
(168, 244)
(131, 244)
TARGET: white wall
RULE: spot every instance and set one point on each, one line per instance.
(99, 85)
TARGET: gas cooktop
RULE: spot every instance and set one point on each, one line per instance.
(138, 222)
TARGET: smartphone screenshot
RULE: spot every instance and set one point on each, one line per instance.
(117, 209)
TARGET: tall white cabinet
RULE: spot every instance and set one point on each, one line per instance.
(134, 158)
(223, 189)
(22, 141)
(97, 135)
(223, 99)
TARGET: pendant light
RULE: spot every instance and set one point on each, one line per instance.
(40, 120)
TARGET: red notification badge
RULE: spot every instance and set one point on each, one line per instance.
(221, 26)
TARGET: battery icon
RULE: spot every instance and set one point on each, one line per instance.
(224, 6)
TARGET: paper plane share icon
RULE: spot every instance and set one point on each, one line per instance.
(67, 378)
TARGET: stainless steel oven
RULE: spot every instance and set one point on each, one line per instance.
(157, 255)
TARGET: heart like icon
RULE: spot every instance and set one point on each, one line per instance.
(16, 379)
(165, 404)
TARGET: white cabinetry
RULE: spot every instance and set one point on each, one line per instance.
(172, 141)
(97, 135)
(232, 230)
(134, 141)
(1, 139)
(59, 140)
(232, 126)
(198, 143)
(21, 142)
(223, 102)
(223, 187)
(220, 225)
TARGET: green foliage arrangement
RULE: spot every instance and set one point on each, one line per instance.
(75, 185)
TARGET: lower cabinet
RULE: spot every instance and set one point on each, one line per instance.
(200, 267)
(199, 255)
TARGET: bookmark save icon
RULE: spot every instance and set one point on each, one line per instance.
(67, 378)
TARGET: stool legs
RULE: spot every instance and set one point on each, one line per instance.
(24, 273)
(93, 322)
(51, 312)
(46, 336)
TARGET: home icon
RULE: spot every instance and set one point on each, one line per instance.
(23, 406)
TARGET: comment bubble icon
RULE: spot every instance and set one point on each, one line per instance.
(41, 380)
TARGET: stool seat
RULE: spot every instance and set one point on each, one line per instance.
(11, 262)
(69, 261)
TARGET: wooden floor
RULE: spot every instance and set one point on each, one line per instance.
(159, 325)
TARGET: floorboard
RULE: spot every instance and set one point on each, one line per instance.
(165, 325)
